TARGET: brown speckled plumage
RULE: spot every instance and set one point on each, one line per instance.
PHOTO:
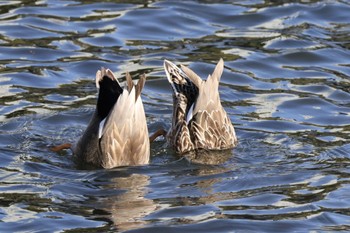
(199, 120)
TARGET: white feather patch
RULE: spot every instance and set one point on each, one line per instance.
(100, 128)
(189, 114)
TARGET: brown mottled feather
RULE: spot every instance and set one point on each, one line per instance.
(208, 127)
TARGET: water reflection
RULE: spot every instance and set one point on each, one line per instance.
(128, 209)
(209, 157)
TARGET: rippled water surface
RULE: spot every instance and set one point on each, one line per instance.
(285, 87)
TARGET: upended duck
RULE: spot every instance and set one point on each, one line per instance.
(117, 134)
(199, 120)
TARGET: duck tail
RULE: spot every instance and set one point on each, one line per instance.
(184, 87)
(139, 86)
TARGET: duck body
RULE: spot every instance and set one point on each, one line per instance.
(199, 120)
(117, 133)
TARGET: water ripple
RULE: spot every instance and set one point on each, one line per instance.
(285, 87)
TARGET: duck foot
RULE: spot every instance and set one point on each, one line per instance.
(159, 132)
(61, 147)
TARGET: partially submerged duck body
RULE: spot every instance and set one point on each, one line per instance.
(117, 134)
(199, 120)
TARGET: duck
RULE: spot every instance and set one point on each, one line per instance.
(199, 121)
(117, 134)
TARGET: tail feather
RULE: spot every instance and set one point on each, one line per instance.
(219, 68)
(182, 83)
(179, 81)
(109, 91)
(192, 75)
(129, 82)
(139, 86)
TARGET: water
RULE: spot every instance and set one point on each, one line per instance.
(285, 87)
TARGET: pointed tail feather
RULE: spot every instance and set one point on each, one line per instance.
(192, 75)
(209, 98)
(139, 86)
(180, 81)
(129, 82)
(219, 68)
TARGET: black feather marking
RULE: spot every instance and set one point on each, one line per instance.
(187, 88)
(107, 96)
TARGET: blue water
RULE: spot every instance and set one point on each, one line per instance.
(286, 88)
